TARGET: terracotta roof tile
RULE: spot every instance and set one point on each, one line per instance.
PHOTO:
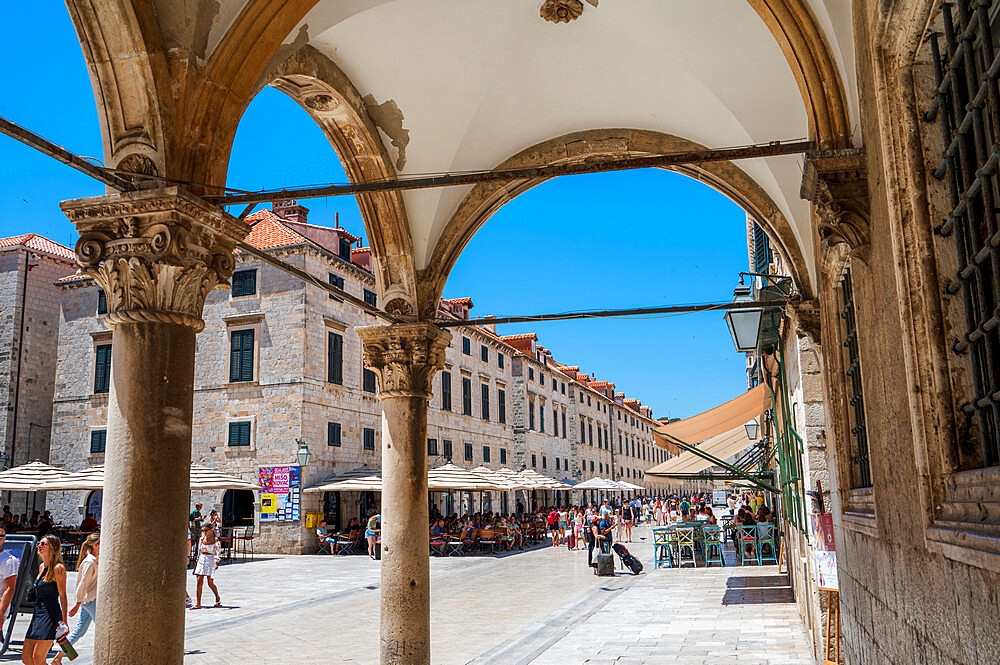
(361, 250)
(269, 232)
(458, 301)
(39, 243)
(520, 336)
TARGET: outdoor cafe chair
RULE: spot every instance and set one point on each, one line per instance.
(713, 546)
(685, 542)
(662, 554)
(487, 538)
(246, 542)
(765, 536)
(347, 544)
(226, 540)
(748, 540)
(437, 545)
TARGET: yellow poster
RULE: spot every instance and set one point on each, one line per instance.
(268, 503)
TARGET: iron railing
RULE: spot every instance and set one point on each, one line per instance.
(861, 467)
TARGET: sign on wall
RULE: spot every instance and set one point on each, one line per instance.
(280, 493)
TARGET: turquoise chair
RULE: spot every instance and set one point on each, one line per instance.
(748, 541)
(685, 542)
(713, 546)
(765, 536)
(662, 551)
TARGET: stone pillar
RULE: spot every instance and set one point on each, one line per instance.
(156, 254)
(405, 357)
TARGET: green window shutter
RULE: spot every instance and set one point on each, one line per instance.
(333, 434)
(102, 302)
(335, 358)
(446, 391)
(239, 434)
(102, 368)
(244, 283)
(98, 441)
(241, 355)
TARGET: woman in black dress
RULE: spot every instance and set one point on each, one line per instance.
(50, 602)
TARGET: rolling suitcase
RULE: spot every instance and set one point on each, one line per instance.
(570, 540)
(629, 561)
(605, 564)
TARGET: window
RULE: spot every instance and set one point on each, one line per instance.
(446, 391)
(503, 455)
(555, 421)
(583, 431)
(545, 462)
(467, 346)
(600, 467)
(588, 400)
(500, 360)
(565, 463)
(541, 379)
(563, 388)
(333, 434)
(244, 283)
(557, 464)
(239, 434)
(102, 368)
(541, 417)
(98, 441)
(590, 433)
(581, 398)
(484, 402)
(367, 380)
(371, 298)
(466, 396)
(335, 358)
(761, 250)
(484, 353)
(102, 302)
(241, 355)
(486, 453)
(368, 438)
(969, 123)
(531, 374)
(501, 406)
(432, 447)
(534, 460)
(860, 467)
(554, 386)
(336, 280)
(591, 466)
(564, 423)
(446, 448)
(531, 414)
(599, 444)
(345, 249)
(468, 452)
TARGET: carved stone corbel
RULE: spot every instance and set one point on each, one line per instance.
(805, 317)
(156, 253)
(404, 356)
(836, 183)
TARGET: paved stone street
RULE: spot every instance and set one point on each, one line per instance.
(542, 607)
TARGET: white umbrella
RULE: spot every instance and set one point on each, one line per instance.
(545, 481)
(365, 484)
(202, 478)
(30, 477)
(598, 484)
(451, 477)
(368, 475)
(503, 482)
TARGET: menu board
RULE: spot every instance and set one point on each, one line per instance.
(280, 493)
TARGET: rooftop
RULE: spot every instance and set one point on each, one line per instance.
(38, 243)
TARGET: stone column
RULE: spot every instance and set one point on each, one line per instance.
(156, 254)
(405, 357)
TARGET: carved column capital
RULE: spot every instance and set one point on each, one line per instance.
(404, 356)
(157, 253)
(836, 182)
(805, 317)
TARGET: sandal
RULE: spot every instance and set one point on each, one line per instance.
(218, 603)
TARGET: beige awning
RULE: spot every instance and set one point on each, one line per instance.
(30, 477)
(718, 420)
(202, 478)
(721, 446)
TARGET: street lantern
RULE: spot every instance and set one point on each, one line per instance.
(752, 430)
(744, 324)
(303, 453)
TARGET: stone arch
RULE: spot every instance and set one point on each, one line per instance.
(794, 28)
(485, 199)
(123, 51)
(329, 97)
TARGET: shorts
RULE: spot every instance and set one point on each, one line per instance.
(369, 534)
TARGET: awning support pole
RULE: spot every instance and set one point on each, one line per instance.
(718, 462)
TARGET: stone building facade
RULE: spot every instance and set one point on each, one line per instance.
(280, 360)
(29, 323)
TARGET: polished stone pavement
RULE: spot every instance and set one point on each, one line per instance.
(542, 607)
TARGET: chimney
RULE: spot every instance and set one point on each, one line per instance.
(289, 209)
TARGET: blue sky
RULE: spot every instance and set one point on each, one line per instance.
(616, 240)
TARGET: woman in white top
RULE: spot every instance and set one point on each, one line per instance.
(86, 591)
(209, 553)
